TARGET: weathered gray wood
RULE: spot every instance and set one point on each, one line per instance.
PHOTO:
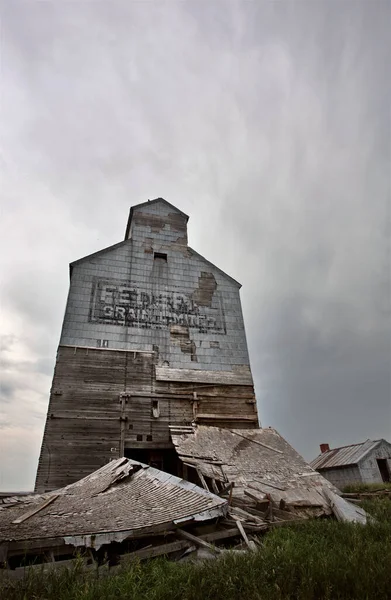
(245, 437)
(151, 552)
(202, 479)
(88, 425)
(250, 545)
(196, 540)
(201, 376)
(35, 510)
(344, 510)
(226, 417)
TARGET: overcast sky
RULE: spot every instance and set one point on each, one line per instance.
(269, 124)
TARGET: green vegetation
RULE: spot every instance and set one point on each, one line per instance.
(366, 487)
(321, 559)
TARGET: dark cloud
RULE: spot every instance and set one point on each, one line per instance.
(269, 124)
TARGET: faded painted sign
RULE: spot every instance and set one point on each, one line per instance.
(121, 303)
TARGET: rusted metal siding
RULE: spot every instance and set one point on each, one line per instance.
(146, 319)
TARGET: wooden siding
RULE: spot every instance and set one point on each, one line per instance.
(103, 401)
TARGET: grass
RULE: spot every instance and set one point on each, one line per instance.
(366, 487)
(319, 560)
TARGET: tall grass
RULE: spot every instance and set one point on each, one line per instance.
(315, 561)
(366, 487)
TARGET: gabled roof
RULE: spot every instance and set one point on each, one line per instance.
(344, 456)
(148, 203)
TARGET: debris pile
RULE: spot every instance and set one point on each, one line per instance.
(236, 484)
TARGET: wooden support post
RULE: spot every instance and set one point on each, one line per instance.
(123, 419)
(230, 494)
(250, 545)
(215, 488)
(202, 479)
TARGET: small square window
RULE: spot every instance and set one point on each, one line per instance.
(149, 438)
(160, 255)
(139, 437)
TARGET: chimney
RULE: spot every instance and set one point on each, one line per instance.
(324, 448)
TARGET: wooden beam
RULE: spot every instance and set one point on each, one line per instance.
(196, 540)
(230, 417)
(35, 511)
(149, 552)
(239, 525)
(227, 488)
(202, 479)
(256, 442)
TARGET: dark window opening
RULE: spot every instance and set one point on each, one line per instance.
(163, 459)
(149, 438)
(102, 343)
(139, 437)
(155, 409)
(131, 426)
(160, 255)
(383, 468)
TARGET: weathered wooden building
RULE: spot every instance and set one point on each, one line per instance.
(153, 336)
(368, 462)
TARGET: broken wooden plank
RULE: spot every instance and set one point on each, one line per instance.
(250, 545)
(344, 510)
(243, 514)
(33, 512)
(268, 483)
(226, 489)
(214, 487)
(202, 479)
(257, 497)
(154, 551)
(256, 442)
(219, 535)
(196, 540)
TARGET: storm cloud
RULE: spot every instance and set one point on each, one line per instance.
(269, 124)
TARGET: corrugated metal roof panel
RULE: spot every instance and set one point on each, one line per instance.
(344, 456)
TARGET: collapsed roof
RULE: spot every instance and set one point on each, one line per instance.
(267, 482)
(253, 459)
(124, 499)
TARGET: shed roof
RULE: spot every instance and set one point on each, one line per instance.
(344, 456)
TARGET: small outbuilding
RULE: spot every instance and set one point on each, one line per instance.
(368, 462)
